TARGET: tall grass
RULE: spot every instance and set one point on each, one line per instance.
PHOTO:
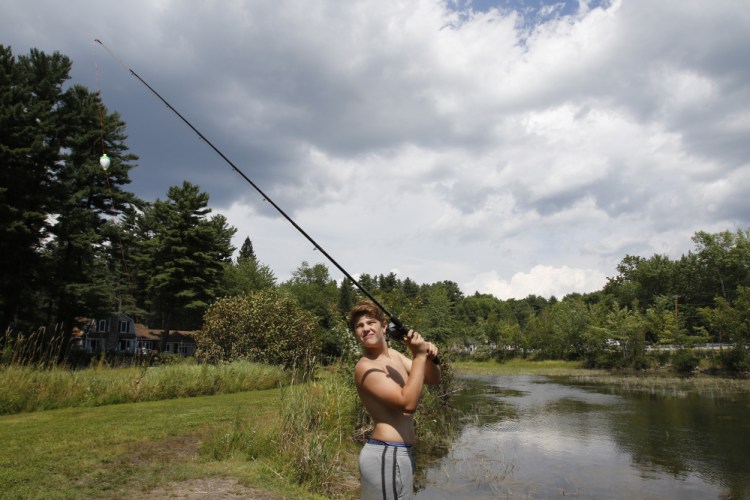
(39, 348)
(310, 443)
(27, 388)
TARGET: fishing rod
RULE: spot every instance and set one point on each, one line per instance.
(396, 329)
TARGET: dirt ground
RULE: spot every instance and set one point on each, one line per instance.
(209, 489)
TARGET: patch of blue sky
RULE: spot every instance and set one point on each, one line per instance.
(530, 13)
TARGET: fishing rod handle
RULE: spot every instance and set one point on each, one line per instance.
(398, 331)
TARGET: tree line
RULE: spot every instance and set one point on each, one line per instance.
(74, 243)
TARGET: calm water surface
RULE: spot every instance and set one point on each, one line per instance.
(535, 437)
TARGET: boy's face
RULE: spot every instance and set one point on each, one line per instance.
(369, 331)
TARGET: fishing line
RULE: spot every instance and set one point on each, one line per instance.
(396, 328)
(105, 162)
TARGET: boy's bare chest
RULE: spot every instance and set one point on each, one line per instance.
(395, 372)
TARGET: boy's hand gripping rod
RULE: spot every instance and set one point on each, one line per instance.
(396, 329)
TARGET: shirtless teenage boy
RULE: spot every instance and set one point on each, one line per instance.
(389, 385)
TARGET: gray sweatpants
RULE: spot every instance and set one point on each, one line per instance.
(386, 472)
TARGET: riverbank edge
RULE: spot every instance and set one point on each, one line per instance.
(643, 380)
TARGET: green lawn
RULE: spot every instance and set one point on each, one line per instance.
(126, 450)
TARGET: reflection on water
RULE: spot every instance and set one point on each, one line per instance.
(534, 437)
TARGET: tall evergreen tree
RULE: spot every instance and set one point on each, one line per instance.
(52, 197)
(246, 251)
(30, 92)
(347, 297)
(188, 252)
(80, 281)
(247, 274)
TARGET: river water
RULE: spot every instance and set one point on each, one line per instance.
(537, 437)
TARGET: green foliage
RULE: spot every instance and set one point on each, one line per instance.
(684, 361)
(54, 200)
(568, 318)
(662, 322)
(186, 250)
(640, 280)
(30, 92)
(347, 298)
(339, 343)
(246, 251)
(247, 275)
(437, 313)
(735, 360)
(316, 292)
(263, 326)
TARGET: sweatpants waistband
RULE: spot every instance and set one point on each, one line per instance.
(388, 443)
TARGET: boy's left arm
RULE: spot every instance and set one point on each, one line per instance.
(432, 370)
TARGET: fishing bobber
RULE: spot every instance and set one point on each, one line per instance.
(104, 162)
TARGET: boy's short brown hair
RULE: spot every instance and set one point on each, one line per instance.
(365, 308)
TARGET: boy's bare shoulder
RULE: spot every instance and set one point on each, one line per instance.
(365, 365)
(398, 354)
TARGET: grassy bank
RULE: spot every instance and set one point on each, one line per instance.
(519, 366)
(652, 382)
(25, 389)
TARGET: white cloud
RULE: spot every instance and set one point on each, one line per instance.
(545, 281)
(538, 145)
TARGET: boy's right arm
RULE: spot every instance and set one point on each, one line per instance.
(374, 383)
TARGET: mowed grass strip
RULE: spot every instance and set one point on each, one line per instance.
(126, 450)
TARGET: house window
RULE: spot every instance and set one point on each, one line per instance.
(93, 345)
(102, 325)
(124, 327)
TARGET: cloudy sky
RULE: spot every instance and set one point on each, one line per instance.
(511, 146)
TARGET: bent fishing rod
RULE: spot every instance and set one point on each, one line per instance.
(396, 329)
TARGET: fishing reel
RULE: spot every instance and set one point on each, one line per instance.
(397, 331)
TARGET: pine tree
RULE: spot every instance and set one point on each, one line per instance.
(80, 278)
(246, 251)
(30, 135)
(188, 251)
(347, 297)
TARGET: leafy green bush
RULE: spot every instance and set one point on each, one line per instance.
(684, 361)
(605, 359)
(263, 326)
(734, 361)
